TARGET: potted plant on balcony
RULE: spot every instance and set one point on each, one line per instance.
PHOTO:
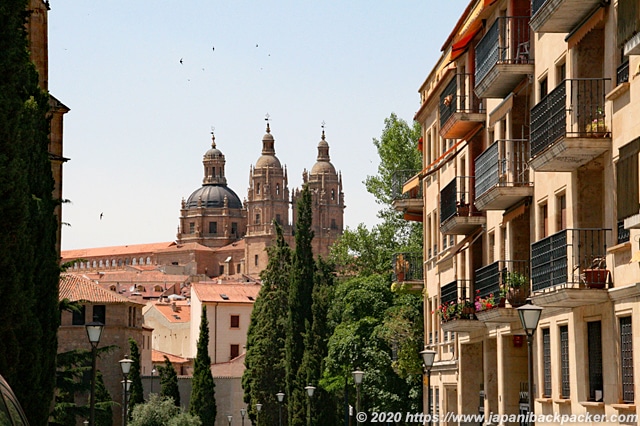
(516, 288)
(597, 128)
(401, 267)
(597, 274)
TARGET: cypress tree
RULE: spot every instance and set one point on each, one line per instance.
(264, 375)
(137, 393)
(104, 413)
(203, 402)
(169, 382)
(28, 258)
(300, 318)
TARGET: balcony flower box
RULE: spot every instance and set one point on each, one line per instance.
(596, 278)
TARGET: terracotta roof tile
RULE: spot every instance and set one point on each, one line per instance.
(80, 288)
(236, 245)
(183, 312)
(184, 247)
(226, 292)
(157, 357)
(233, 368)
(132, 249)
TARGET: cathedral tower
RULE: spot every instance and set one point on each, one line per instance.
(327, 203)
(267, 200)
(213, 215)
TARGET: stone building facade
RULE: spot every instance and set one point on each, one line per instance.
(529, 187)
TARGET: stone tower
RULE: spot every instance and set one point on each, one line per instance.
(327, 203)
(213, 215)
(267, 200)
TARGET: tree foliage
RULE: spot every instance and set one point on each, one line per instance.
(300, 318)
(136, 395)
(203, 402)
(169, 382)
(30, 274)
(160, 411)
(264, 375)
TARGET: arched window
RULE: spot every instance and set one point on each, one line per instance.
(82, 265)
(101, 264)
(142, 261)
(158, 288)
(88, 265)
(112, 288)
(148, 260)
(95, 264)
(277, 189)
(134, 261)
(119, 262)
(140, 288)
(113, 262)
(333, 194)
(126, 261)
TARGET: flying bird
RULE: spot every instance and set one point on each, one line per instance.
(213, 48)
(101, 214)
(256, 45)
(180, 60)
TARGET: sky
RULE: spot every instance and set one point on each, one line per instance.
(140, 120)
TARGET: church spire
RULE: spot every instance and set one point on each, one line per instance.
(323, 148)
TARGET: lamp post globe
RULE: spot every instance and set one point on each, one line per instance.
(529, 318)
(94, 332)
(428, 357)
(243, 411)
(358, 375)
(310, 390)
(258, 409)
(125, 366)
(229, 417)
(280, 397)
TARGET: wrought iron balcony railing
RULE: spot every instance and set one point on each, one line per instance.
(456, 198)
(398, 179)
(622, 73)
(623, 234)
(491, 278)
(504, 163)
(407, 267)
(458, 96)
(575, 108)
(453, 292)
(570, 258)
(506, 42)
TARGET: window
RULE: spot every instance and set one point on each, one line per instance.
(562, 212)
(257, 221)
(278, 219)
(626, 364)
(277, 189)
(235, 321)
(492, 247)
(333, 195)
(255, 260)
(234, 228)
(564, 362)
(333, 224)
(627, 180)
(544, 220)
(221, 270)
(192, 228)
(544, 88)
(594, 347)
(561, 72)
(258, 188)
(546, 357)
(78, 317)
(213, 227)
(235, 351)
(99, 313)
(238, 268)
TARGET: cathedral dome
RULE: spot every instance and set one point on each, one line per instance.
(323, 162)
(213, 196)
(268, 161)
(323, 167)
(268, 157)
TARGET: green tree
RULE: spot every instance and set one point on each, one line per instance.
(169, 382)
(264, 375)
(159, 411)
(137, 393)
(28, 259)
(300, 318)
(203, 402)
(104, 403)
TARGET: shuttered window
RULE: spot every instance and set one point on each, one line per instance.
(627, 180)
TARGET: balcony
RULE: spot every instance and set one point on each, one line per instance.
(568, 269)
(569, 127)
(629, 26)
(456, 308)
(458, 215)
(502, 175)
(559, 16)
(502, 57)
(410, 202)
(461, 111)
(492, 279)
(408, 270)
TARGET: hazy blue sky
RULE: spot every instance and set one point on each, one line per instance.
(140, 121)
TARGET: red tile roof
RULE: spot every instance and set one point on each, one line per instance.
(233, 368)
(78, 288)
(157, 357)
(132, 249)
(236, 245)
(183, 311)
(184, 247)
(226, 292)
(136, 277)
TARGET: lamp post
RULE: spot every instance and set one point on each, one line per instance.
(529, 318)
(125, 366)
(310, 390)
(280, 397)
(428, 356)
(243, 411)
(258, 409)
(94, 331)
(229, 417)
(153, 372)
(357, 378)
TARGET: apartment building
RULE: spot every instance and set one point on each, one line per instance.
(530, 188)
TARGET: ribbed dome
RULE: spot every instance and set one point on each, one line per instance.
(213, 152)
(268, 160)
(323, 167)
(268, 157)
(323, 162)
(213, 196)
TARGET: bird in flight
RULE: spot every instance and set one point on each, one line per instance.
(180, 60)
(101, 214)
(213, 48)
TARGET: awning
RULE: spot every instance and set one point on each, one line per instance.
(462, 245)
(515, 212)
(501, 110)
(579, 33)
(412, 183)
(468, 29)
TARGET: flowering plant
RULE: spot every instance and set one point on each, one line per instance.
(597, 125)
(484, 303)
(463, 309)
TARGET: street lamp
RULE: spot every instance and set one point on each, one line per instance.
(229, 417)
(280, 397)
(310, 389)
(94, 331)
(125, 366)
(428, 356)
(258, 409)
(529, 318)
(243, 411)
(153, 372)
(357, 378)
